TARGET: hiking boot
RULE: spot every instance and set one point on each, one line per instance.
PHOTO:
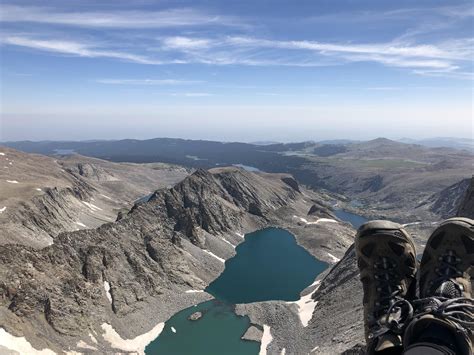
(386, 258)
(444, 315)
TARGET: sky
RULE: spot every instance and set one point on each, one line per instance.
(242, 70)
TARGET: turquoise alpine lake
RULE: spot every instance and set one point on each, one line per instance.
(268, 265)
(352, 218)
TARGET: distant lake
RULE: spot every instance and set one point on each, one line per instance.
(247, 167)
(145, 198)
(268, 265)
(352, 218)
(64, 151)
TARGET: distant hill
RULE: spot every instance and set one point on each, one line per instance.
(391, 177)
(448, 142)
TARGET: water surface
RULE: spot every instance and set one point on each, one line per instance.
(352, 218)
(268, 265)
(217, 332)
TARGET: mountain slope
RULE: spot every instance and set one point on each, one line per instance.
(466, 207)
(388, 179)
(130, 275)
(42, 196)
(447, 202)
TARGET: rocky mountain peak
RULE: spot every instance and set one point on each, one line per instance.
(466, 208)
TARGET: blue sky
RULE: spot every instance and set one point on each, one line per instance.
(236, 70)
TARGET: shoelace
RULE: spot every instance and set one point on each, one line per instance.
(400, 307)
(448, 270)
(390, 302)
(459, 310)
(388, 289)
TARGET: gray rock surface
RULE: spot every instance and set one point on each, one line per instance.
(195, 316)
(41, 196)
(447, 202)
(253, 333)
(149, 258)
(466, 207)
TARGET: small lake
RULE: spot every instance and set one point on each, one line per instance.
(145, 198)
(352, 218)
(247, 167)
(268, 265)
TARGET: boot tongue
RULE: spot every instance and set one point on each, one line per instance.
(448, 289)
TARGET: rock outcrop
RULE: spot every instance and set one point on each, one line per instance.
(135, 271)
(40, 196)
(449, 201)
(466, 207)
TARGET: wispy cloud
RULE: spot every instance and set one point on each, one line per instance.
(186, 43)
(444, 57)
(147, 81)
(75, 48)
(192, 94)
(258, 51)
(116, 19)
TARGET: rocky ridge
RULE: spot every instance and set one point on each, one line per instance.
(41, 197)
(134, 273)
(466, 207)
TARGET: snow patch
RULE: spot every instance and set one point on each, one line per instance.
(320, 220)
(306, 305)
(411, 224)
(94, 340)
(193, 291)
(266, 340)
(214, 255)
(137, 344)
(314, 349)
(283, 351)
(38, 189)
(240, 235)
(91, 206)
(107, 197)
(12, 181)
(315, 283)
(84, 345)
(173, 329)
(328, 220)
(226, 241)
(333, 258)
(20, 344)
(2, 154)
(3, 209)
(107, 291)
(81, 224)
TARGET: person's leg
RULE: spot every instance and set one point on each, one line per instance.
(386, 258)
(444, 315)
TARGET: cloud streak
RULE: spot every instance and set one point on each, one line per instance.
(147, 81)
(75, 48)
(260, 52)
(154, 46)
(116, 19)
